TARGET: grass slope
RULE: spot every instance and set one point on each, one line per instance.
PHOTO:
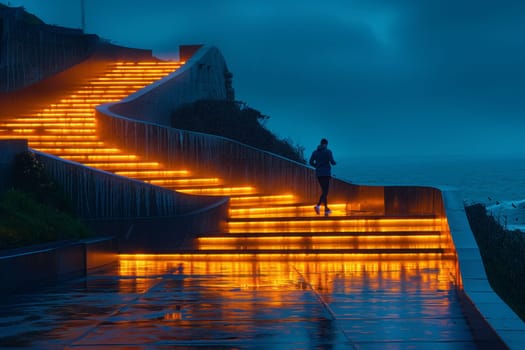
(35, 210)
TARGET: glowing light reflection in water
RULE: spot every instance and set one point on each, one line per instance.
(348, 288)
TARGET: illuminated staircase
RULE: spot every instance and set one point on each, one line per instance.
(295, 229)
(67, 128)
(258, 224)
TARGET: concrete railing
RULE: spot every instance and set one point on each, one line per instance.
(241, 164)
(97, 194)
(483, 308)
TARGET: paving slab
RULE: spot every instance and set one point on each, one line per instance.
(161, 302)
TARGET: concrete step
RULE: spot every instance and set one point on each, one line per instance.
(333, 234)
(219, 191)
(124, 165)
(186, 183)
(49, 137)
(154, 174)
(76, 150)
(372, 253)
(107, 158)
(329, 224)
(250, 200)
(66, 145)
(326, 241)
(283, 210)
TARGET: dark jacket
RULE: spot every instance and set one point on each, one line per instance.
(322, 159)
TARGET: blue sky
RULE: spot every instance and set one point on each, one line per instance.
(375, 77)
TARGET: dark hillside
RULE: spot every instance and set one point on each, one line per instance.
(237, 121)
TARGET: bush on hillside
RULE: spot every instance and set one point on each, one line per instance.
(35, 210)
(234, 120)
(24, 221)
(29, 176)
(503, 254)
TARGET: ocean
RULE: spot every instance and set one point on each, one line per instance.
(484, 180)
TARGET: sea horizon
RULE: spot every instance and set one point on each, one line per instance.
(481, 179)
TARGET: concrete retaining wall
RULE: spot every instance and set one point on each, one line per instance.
(31, 51)
(142, 216)
(8, 150)
(161, 234)
(33, 267)
(204, 76)
(484, 309)
(97, 194)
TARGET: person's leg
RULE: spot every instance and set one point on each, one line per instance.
(321, 200)
(321, 197)
(324, 181)
(325, 185)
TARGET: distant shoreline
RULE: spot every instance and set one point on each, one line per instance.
(481, 180)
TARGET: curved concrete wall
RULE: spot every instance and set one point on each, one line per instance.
(240, 164)
(99, 194)
(143, 217)
(204, 76)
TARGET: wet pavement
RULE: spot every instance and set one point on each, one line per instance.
(184, 301)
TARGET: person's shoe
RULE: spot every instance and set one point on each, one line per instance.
(327, 212)
(317, 209)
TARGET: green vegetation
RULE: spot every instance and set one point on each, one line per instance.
(503, 254)
(35, 211)
(236, 121)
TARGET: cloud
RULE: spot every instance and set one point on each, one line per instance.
(379, 75)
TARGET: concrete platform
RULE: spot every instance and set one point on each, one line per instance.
(155, 302)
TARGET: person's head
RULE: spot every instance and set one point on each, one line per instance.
(324, 142)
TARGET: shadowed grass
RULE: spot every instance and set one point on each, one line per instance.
(35, 210)
(24, 221)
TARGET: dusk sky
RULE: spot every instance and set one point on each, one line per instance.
(375, 77)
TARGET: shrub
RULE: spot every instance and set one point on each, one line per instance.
(234, 120)
(24, 221)
(29, 176)
(35, 210)
(503, 254)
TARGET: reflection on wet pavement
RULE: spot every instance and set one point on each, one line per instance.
(192, 301)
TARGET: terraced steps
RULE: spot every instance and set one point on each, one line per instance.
(259, 223)
(334, 253)
(322, 241)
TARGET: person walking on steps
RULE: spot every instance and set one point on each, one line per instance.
(322, 160)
